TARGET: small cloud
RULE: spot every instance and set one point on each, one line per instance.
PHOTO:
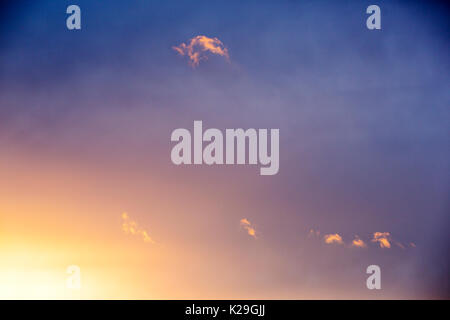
(333, 238)
(131, 227)
(400, 245)
(313, 233)
(412, 244)
(248, 226)
(382, 238)
(198, 48)
(357, 242)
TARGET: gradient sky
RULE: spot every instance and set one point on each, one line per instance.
(85, 124)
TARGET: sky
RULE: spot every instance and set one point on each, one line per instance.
(86, 177)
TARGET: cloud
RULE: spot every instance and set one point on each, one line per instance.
(248, 226)
(399, 244)
(198, 48)
(333, 238)
(382, 238)
(313, 233)
(131, 227)
(357, 242)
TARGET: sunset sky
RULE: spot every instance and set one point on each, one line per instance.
(86, 177)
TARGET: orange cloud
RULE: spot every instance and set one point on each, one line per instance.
(247, 226)
(198, 47)
(382, 238)
(131, 227)
(333, 238)
(357, 242)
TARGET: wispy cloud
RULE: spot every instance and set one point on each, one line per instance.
(357, 242)
(131, 227)
(399, 244)
(198, 47)
(313, 233)
(382, 238)
(248, 226)
(333, 238)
